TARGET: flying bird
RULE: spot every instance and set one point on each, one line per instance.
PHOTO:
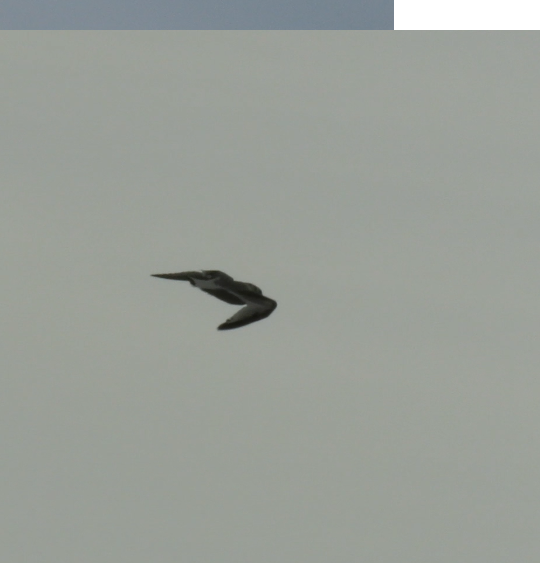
(222, 286)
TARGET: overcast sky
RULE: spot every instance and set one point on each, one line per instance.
(196, 14)
(383, 188)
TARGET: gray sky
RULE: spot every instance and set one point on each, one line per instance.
(383, 188)
(196, 14)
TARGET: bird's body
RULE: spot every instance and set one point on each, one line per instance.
(222, 286)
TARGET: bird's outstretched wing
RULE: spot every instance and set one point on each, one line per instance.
(182, 276)
(196, 279)
(254, 311)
